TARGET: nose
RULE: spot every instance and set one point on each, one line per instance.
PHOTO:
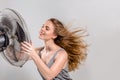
(42, 29)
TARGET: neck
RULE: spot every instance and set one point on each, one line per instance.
(50, 45)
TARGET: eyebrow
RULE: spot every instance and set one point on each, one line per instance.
(46, 26)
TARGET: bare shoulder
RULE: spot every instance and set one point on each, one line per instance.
(62, 54)
(61, 59)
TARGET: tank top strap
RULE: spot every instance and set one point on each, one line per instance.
(57, 53)
(53, 57)
(39, 53)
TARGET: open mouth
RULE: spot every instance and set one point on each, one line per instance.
(42, 33)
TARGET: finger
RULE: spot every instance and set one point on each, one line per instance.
(23, 52)
(25, 48)
(27, 43)
(23, 45)
(30, 42)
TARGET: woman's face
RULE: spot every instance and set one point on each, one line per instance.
(47, 31)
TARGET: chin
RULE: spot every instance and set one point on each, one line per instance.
(40, 37)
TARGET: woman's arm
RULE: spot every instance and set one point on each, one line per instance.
(54, 70)
(37, 50)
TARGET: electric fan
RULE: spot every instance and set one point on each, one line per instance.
(13, 31)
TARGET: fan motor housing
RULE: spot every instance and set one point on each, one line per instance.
(4, 40)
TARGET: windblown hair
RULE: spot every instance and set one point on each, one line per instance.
(71, 42)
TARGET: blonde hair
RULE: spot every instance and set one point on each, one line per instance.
(74, 44)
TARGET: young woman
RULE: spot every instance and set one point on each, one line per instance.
(63, 51)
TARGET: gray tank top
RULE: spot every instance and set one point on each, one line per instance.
(63, 75)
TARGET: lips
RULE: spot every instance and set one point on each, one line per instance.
(42, 33)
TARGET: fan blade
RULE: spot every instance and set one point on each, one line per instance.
(13, 55)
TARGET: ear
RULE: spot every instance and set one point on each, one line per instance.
(54, 36)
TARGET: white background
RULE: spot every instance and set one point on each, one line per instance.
(100, 17)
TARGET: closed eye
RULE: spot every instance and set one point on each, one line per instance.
(47, 28)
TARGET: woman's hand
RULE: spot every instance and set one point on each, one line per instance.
(28, 48)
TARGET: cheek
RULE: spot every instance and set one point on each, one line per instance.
(50, 34)
(46, 35)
